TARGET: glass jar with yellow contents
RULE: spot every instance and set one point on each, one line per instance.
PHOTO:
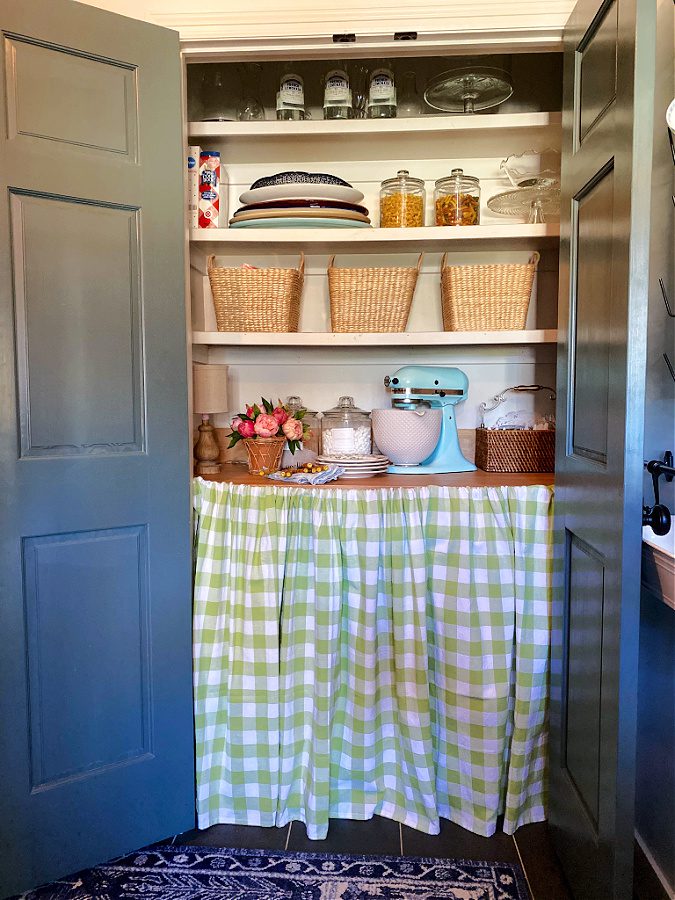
(457, 199)
(402, 201)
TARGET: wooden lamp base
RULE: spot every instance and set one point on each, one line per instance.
(207, 451)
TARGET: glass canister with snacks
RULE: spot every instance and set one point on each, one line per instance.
(457, 199)
(402, 201)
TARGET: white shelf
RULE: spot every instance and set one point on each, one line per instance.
(351, 128)
(367, 240)
(392, 339)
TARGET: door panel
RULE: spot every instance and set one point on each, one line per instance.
(592, 214)
(96, 739)
(584, 674)
(60, 94)
(80, 361)
(597, 67)
(87, 607)
(609, 49)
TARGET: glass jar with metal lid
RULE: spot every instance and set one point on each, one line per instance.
(309, 449)
(457, 199)
(345, 429)
(402, 201)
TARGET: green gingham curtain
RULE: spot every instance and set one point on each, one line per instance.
(361, 652)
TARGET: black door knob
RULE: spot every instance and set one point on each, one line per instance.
(658, 518)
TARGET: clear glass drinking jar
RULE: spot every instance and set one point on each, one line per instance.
(457, 199)
(402, 201)
(345, 429)
(214, 105)
(409, 104)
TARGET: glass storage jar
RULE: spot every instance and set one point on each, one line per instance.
(402, 201)
(309, 450)
(382, 95)
(457, 199)
(291, 98)
(311, 418)
(337, 97)
(345, 429)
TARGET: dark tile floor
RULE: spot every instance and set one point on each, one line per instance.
(530, 846)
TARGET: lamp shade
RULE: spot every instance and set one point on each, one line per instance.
(209, 388)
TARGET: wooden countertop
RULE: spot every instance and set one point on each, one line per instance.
(238, 474)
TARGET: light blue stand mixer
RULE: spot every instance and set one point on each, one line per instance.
(438, 387)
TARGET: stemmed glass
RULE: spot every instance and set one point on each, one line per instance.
(250, 108)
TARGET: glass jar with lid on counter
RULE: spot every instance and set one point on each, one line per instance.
(345, 429)
(309, 449)
(457, 199)
(402, 201)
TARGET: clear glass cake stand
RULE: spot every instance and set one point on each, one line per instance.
(536, 203)
(468, 90)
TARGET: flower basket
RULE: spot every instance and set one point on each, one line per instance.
(264, 454)
(265, 430)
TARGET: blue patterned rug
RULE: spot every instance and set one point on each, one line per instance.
(213, 873)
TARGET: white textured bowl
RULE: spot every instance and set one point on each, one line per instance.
(406, 436)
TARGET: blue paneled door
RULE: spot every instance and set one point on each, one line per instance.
(96, 737)
(608, 128)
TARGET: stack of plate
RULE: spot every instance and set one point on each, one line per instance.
(301, 200)
(357, 466)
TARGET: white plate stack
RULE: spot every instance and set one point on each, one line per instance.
(357, 466)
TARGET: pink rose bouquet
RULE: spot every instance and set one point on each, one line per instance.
(269, 421)
(265, 425)
(292, 428)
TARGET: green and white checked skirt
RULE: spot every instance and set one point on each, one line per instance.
(361, 652)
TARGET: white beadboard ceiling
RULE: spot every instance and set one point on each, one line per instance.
(229, 19)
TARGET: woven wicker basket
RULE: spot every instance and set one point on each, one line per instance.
(373, 299)
(264, 454)
(256, 299)
(486, 298)
(514, 449)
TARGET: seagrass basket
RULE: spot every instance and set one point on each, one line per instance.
(371, 299)
(256, 299)
(488, 297)
(514, 449)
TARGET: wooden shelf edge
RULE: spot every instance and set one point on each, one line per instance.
(239, 474)
(363, 239)
(390, 339)
(346, 129)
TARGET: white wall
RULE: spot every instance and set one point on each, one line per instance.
(227, 19)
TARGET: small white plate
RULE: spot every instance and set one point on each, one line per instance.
(353, 457)
(350, 477)
(302, 191)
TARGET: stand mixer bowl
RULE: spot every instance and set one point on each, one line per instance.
(407, 436)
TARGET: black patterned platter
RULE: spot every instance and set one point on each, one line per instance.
(298, 178)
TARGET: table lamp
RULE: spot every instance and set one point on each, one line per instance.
(209, 392)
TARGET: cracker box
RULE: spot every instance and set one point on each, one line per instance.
(209, 184)
(193, 155)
